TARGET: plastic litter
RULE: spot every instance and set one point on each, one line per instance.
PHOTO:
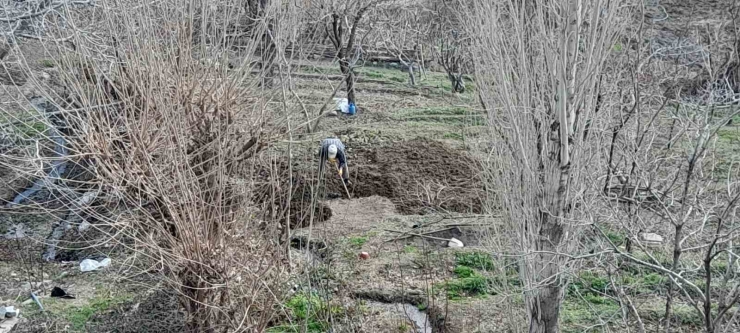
(341, 104)
(11, 311)
(91, 265)
(59, 292)
(454, 242)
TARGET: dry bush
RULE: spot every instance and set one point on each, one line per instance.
(668, 173)
(538, 68)
(168, 125)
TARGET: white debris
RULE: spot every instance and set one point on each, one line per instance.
(454, 242)
(11, 312)
(83, 226)
(91, 265)
(650, 237)
(341, 104)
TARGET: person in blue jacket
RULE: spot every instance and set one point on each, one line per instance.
(333, 150)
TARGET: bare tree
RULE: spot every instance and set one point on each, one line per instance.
(538, 66)
(450, 41)
(664, 173)
(342, 26)
(402, 32)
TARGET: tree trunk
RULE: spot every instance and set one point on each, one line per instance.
(458, 86)
(349, 75)
(269, 53)
(676, 260)
(412, 79)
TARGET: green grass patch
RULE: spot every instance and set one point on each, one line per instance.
(358, 241)
(373, 74)
(476, 260)
(728, 149)
(682, 313)
(576, 314)
(319, 69)
(48, 63)
(616, 237)
(588, 283)
(26, 125)
(306, 311)
(472, 286)
(410, 249)
(469, 281)
(463, 271)
(449, 115)
(453, 136)
(77, 315)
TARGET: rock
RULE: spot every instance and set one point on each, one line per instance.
(331, 113)
(364, 255)
(650, 237)
(454, 242)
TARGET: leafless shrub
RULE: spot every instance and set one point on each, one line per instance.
(666, 174)
(169, 130)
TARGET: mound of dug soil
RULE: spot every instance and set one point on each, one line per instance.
(417, 175)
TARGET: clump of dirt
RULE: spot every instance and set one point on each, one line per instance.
(418, 175)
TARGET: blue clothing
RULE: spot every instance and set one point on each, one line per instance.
(341, 155)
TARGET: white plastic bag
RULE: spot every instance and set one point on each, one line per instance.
(341, 104)
(454, 242)
(91, 265)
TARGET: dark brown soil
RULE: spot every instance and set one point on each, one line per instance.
(419, 176)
